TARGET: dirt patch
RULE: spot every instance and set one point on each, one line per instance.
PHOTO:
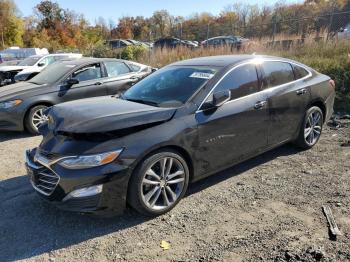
(268, 208)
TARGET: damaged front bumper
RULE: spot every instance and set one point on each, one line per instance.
(99, 190)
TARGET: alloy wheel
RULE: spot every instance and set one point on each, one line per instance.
(163, 183)
(313, 128)
(39, 118)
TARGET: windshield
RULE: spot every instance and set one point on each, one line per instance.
(52, 73)
(30, 61)
(171, 86)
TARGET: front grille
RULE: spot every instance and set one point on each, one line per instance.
(45, 181)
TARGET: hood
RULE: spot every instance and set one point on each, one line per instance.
(16, 91)
(12, 68)
(104, 114)
(31, 69)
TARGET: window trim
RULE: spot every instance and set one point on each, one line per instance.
(264, 80)
(71, 73)
(262, 60)
(258, 82)
(293, 67)
(120, 62)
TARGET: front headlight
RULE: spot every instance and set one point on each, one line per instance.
(21, 77)
(81, 162)
(9, 104)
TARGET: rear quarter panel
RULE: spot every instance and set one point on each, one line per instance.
(321, 91)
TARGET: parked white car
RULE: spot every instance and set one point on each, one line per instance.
(22, 53)
(31, 66)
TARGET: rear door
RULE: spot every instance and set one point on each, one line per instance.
(120, 77)
(287, 99)
(238, 128)
(91, 83)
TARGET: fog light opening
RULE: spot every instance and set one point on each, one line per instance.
(84, 192)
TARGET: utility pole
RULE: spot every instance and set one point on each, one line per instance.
(150, 47)
(208, 33)
(330, 22)
(2, 39)
(274, 21)
(180, 31)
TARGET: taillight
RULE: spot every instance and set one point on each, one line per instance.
(332, 83)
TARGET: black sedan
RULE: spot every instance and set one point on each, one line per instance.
(188, 120)
(22, 104)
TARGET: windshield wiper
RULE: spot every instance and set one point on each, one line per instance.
(141, 101)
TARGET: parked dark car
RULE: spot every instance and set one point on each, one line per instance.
(22, 105)
(119, 43)
(173, 42)
(232, 41)
(186, 121)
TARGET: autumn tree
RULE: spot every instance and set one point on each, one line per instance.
(11, 25)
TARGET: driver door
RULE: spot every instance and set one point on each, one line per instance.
(91, 84)
(238, 128)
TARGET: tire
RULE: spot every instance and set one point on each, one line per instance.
(151, 194)
(311, 128)
(33, 117)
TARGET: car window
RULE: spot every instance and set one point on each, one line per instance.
(48, 60)
(52, 73)
(229, 41)
(30, 61)
(61, 57)
(299, 72)
(116, 68)
(134, 67)
(277, 73)
(170, 86)
(88, 72)
(241, 81)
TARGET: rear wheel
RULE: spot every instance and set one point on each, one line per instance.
(311, 129)
(159, 183)
(35, 118)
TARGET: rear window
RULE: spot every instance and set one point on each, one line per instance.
(277, 73)
(135, 68)
(299, 72)
(116, 69)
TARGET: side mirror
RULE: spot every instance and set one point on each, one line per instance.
(219, 98)
(72, 81)
(41, 64)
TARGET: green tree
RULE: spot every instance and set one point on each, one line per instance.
(11, 25)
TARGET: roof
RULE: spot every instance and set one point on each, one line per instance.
(222, 61)
(86, 60)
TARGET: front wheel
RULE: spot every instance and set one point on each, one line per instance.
(159, 183)
(35, 118)
(311, 129)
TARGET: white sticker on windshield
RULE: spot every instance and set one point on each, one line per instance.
(202, 75)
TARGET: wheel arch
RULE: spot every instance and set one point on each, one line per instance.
(319, 103)
(181, 150)
(38, 103)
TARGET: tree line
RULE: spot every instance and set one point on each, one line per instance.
(56, 28)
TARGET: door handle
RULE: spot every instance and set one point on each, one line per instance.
(260, 104)
(98, 83)
(134, 78)
(301, 91)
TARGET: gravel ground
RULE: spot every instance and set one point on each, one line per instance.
(268, 208)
